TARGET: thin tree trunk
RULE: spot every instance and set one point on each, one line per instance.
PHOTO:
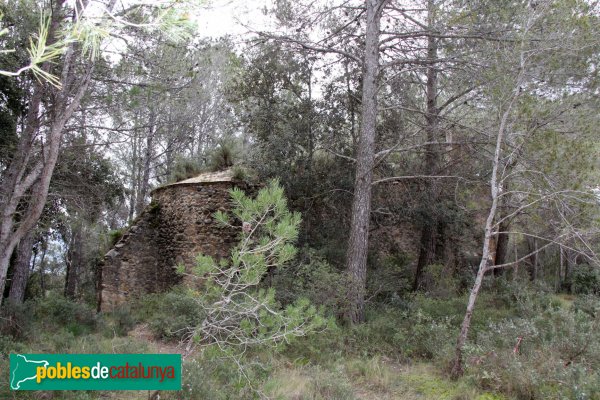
(145, 179)
(427, 253)
(134, 179)
(74, 262)
(516, 268)
(358, 243)
(43, 266)
(568, 271)
(14, 227)
(21, 268)
(495, 190)
(502, 246)
(11, 234)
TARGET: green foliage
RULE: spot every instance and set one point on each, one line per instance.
(121, 320)
(15, 320)
(313, 278)
(439, 281)
(184, 168)
(586, 280)
(241, 173)
(213, 375)
(238, 313)
(390, 279)
(224, 156)
(175, 313)
(77, 318)
(551, 354)
(427, 338)
(115, 235)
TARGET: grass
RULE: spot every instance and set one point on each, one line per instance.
(565, 300)
(396, 354)
(371, 378)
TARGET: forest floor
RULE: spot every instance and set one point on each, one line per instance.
(395, 355)
(375, 378)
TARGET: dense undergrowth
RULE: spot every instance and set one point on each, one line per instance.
(526, 343)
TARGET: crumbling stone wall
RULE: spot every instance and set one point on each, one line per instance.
(176, 226)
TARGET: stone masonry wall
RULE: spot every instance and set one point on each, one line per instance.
(172, 230)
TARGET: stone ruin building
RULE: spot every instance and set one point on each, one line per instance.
(176, 226)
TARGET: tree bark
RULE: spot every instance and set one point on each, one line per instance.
(358, 243)
(428, 242)
(32, 167)
(74, 262)
(145, 178)
(495, 191)
(501, 246)
(21, 268)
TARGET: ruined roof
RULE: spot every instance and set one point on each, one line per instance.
(206, 177)
(209, 177)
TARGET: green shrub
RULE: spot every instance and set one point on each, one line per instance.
(15, 320)
(588, 304)
(177, 312)
(56, 312)
(214, 375)
(380, 334)
(240, 312)
(439, 282)
(427, 338)
(586, 280)
(115, 235)
(184, 168)
(121, 320)
(556, 357)
(313, 278)
(390, 279)
(224, 156)
(525, 298)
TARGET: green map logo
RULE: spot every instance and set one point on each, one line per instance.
(23, 370)
(95, 371)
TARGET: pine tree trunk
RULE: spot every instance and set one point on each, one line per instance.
(428, 242)
(32, 167)
(145, 178)
(356, 256)
(22, 268)
(74, 262)
(502, 247)
(426, 254)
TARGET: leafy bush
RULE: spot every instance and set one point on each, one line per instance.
(176, 313)
(427, 338)
(586, 280)
(313, 278)
(55, 312)
(439, 282)
(224, 156)
(184, 168)
(212, 374)
(15, 320)
(115, 235)
(390, 279)
(122, 320)
(380, 334)
(551, 355)
(525, 298)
